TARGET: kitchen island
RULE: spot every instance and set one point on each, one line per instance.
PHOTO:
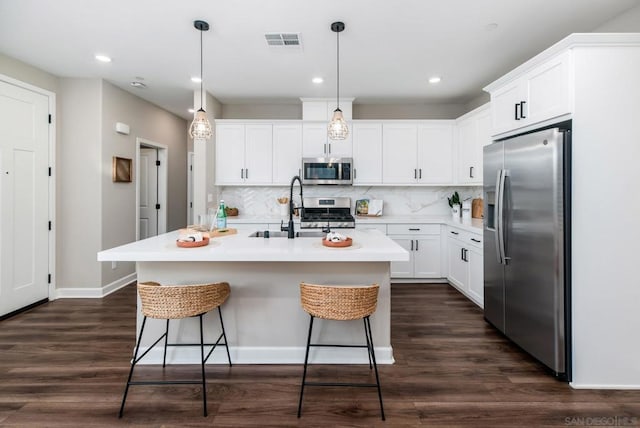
(264, 321)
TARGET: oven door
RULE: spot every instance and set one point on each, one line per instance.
(326, 171)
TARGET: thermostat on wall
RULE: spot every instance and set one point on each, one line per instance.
(122, 128)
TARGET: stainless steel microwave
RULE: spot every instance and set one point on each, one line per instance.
(327, 171)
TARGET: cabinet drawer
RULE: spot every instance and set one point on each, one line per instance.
(413, 229)
(466, 237)
(377, 226)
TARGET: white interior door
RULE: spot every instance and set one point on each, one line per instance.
(24, 197)
(148, 192)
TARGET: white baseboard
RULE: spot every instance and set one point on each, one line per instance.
(418, 280)
(266, 355)
(575, 385)
(97, 292)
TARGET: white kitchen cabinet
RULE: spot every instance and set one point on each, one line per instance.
(422, 241)
(417, 152)
(287, 152)
(465, 263)
(316, 142)
(540, 94)
(474, 132)
(244, 154)
(322, 109)
(435, 152)
(367, 153)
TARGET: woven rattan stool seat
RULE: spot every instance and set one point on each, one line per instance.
(181, 301)
(339, 302)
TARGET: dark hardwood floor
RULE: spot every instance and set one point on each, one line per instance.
(64, 364)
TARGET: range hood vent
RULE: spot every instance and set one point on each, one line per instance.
(287, 40)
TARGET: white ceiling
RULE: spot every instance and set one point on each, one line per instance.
(389, 48)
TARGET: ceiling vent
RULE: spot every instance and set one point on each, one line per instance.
(287, 40)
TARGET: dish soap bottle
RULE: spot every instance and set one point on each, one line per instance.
(221, 221)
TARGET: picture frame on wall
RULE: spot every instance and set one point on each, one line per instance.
(121, 171)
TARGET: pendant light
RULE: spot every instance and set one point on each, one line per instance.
(200, 127)
(338, 129)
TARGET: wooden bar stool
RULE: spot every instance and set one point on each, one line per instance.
(340, 303)
(176, 302)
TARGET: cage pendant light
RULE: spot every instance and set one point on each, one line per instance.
(338, 129)
(200, 127)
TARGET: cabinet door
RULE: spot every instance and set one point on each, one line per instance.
(427, 257)
(403, 269)
(367, 153)
(548, 90)
(435, 154)
(229, 154)
(399, 150)
(473, 134)
(476, 276)
(287, 152)
(504, 102)
(314, 140)
(483, 138)
(258, 162)
(458, 268)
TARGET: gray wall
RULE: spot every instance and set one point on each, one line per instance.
(118, 199)
(262, 111)
(628, 22)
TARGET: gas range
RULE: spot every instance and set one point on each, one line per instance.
(320, 212)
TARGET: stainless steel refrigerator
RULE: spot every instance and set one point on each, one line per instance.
(526, 243)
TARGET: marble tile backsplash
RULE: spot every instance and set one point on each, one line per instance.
(398, 200)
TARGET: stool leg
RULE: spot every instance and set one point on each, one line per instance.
(368, 344)
(306, 359)
(204, 382)
(375, 366)
(166, 339)
(133, 363)
(226, 344)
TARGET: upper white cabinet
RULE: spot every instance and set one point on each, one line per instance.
(316, 142)
(244, 153)
(322, 108)
(474, 132)
(287, 152)
(540, 94)
(367, 153)
(417, 152)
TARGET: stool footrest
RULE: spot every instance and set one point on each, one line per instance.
(373, 385)
(165, 382)
(328, 345)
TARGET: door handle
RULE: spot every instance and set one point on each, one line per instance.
(455, 233)
(354, 173)
(241, 172)
(470, 172)
(420, 175)
(412, 245)
(246, 173)
(416, 245)
(516, 105)
(498, 209)
(475, 240)
(462, 254)
(329, 148)
(522, 103)
(325, 148)
(415, 173)
(501, 234)
(466, 259)
(414, 229)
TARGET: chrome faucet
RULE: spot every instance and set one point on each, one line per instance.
(289, 229)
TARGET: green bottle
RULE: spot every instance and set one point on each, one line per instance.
(221, 221)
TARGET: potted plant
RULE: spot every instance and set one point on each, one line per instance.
(454, 203)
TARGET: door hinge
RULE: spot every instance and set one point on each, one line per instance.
(157, 206)
(49, 118)
(49, 225)
(49, 171)
(49, 279)
(157, 163)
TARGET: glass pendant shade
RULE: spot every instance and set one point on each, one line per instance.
(200, 127)
(338, 129)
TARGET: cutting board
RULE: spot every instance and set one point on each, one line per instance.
(476, 208)
(223, 232)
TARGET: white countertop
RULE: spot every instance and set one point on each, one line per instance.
(472, 225)
(368, 246)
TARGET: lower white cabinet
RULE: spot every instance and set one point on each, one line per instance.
(422, 241)
(464, 254)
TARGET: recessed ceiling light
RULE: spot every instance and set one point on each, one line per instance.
(191, 110)
(102, 58)
(317, 80)
(196, 79)
(434, 79)
(137, 84)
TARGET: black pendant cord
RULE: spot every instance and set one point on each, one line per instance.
(201, 78)
(338, 70)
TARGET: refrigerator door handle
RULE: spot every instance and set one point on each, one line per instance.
(501, 233)
(498, 209)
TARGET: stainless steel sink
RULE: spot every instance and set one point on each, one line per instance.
(279, 234)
